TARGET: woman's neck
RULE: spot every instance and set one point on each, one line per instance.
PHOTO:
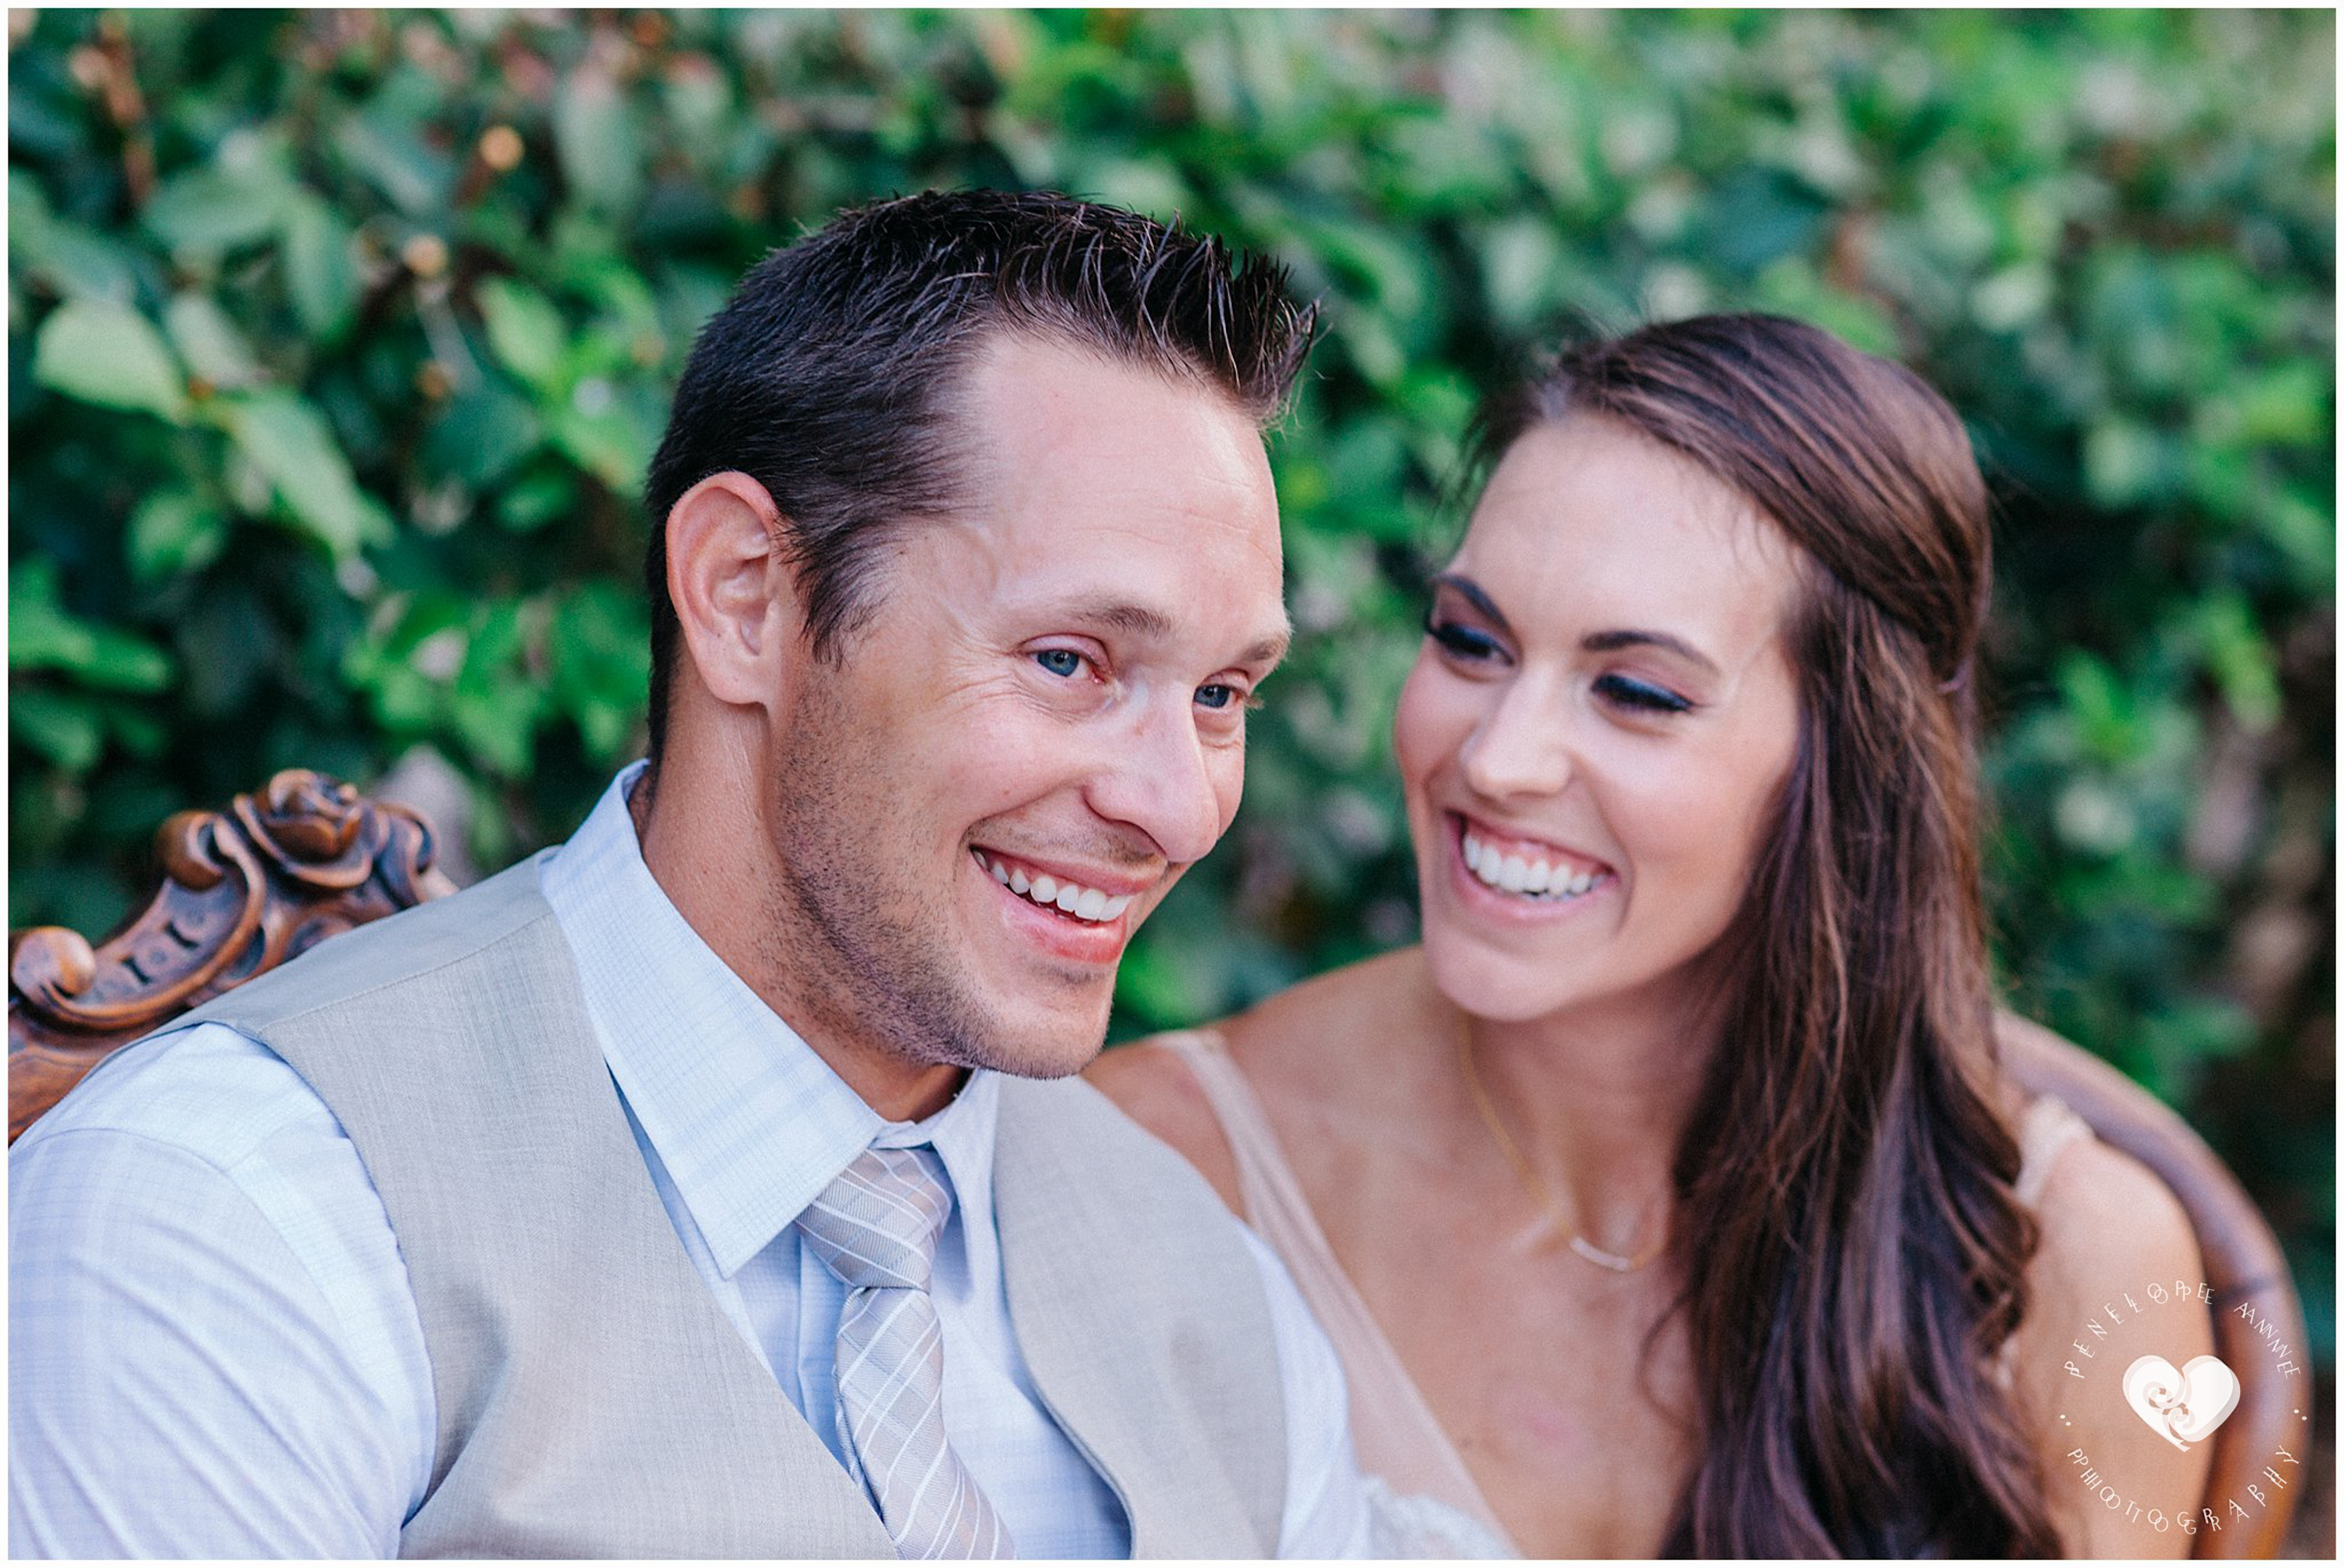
(1594, 1100)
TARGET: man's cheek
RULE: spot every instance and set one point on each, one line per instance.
(1229, 787)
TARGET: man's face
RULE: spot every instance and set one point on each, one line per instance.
(1047, 704)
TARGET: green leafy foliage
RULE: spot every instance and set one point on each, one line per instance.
(110, 355)
(339, 341)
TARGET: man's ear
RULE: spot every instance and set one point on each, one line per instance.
(732, 588)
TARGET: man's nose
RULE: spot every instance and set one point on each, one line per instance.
(1522, 746)
(1160, 778)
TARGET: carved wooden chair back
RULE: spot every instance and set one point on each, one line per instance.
(243, 891)
(2244, 1268)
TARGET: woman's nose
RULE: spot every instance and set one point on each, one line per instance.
(1522, 747)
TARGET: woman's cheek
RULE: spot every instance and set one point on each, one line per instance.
(1424, 720)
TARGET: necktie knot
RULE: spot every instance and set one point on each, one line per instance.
(877, 1225)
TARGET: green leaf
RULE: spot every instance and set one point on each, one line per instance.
(525, 330)
(2124, 462)
(416, 176)
(106, 353)
(290, 442)
(142, 731)
(319, 270)
(1791, 288)
(1157, 984)
(41, 634)
(482, 434)
(209, 342)
(600, 661)
(45, 635)
(499, 730)
(2107, 718)
(175, 531)
(70, 258)
(595, 139)
(242, 196)
(536, 500)
(1520, 261)
(65, 729)
(611, 432)
(2240, 659)
(2287, 406)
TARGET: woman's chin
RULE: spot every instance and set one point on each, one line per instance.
(1504, 989)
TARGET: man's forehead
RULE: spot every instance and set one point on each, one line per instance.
(1042, 394)
(1105, 495)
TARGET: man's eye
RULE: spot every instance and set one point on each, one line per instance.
(1064, 663)
(1216, 695)
(1640, 695)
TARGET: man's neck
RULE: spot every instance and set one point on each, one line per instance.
(898, 1089)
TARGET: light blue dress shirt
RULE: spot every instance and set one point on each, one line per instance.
(214, 1350)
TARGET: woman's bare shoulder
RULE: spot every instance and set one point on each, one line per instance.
(2104, 1211)
(1155, 1088)
(2105, 1222)
(1279, 1043)
(2113, 1239)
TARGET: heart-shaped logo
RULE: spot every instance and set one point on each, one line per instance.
(2181, 1406)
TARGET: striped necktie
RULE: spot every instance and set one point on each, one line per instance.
(876, 1226)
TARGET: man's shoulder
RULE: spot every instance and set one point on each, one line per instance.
(207, 1086)
(1062, 1139)
(410, 945)
(1071, 1115)
(202, 1089)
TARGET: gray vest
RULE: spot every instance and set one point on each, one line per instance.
(593, 1397)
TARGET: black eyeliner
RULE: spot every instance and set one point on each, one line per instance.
(1642, 694)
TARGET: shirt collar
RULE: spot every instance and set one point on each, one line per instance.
(751, 1123)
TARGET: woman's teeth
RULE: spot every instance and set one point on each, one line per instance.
(1528, 878)
(1066, 898)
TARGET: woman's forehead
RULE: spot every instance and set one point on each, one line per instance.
(1585, 516)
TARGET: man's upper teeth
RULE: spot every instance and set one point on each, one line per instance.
(1082, 903)
(1515, 874)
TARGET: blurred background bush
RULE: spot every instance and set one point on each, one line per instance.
(338, 342)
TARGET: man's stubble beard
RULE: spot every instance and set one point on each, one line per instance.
(865, 954)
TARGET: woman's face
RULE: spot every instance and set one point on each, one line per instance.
(1594, 734)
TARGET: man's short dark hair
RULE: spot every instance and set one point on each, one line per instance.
(826, 377)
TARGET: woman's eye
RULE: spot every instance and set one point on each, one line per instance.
(1641, 695)
(1461, 640)
(1062, 662)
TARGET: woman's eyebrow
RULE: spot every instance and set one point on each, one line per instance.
(1470, 592)
(1605, 641)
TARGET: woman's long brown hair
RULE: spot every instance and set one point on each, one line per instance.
(1852, 1253)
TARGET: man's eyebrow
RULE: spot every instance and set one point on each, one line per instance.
(1136, 619)
(1268, 650)
(1143, 620)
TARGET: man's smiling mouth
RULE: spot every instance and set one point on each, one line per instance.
(1089, 905)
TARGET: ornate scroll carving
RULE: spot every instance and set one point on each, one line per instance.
(243, 891)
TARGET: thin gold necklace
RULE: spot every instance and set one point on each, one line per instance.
(1539, 1193)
